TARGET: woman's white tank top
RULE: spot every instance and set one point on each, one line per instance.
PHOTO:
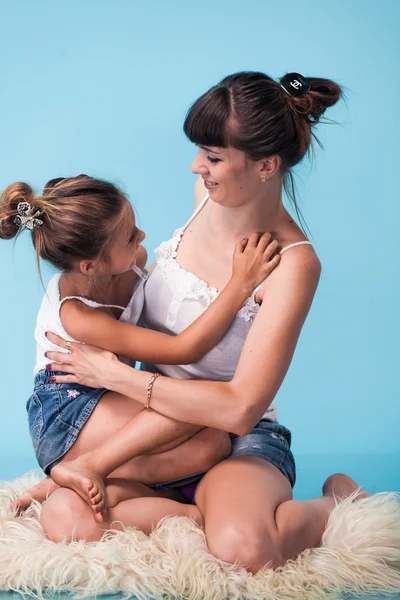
(174, 298)
(48, 318)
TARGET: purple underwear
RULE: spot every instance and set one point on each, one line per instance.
(188, 491)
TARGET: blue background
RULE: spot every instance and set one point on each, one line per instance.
(103, 87)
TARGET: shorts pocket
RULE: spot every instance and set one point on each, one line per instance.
(35, 419)
(74, 402)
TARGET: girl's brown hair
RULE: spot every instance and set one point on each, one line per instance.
(253, 113)
(81, 218)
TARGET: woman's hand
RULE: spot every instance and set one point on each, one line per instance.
(85, 364)
(254, 259)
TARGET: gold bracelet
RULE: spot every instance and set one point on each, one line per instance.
(150, 389)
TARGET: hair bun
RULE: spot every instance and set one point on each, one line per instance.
(10, 198)
(295, 84)
(322, 94)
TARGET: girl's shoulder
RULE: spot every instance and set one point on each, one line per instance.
(75, 315)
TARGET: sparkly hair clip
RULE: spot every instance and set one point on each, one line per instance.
(27, 217)
(295, 85)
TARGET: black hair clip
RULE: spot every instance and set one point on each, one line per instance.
(295, 85)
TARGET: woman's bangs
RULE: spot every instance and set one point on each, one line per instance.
(206, 121)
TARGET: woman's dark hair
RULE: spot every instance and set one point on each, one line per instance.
(81, 218)
(251, 112)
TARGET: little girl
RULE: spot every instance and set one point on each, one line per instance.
(86, 228)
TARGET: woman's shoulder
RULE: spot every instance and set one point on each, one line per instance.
(294, 245)
(299, 269)
(300, 255)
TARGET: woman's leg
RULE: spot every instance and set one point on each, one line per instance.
(250, 517)
(66, 516)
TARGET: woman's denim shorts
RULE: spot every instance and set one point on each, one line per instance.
(56, 414)
(271, 441)
(268, 440)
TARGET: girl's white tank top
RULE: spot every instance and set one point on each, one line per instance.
(48, 318)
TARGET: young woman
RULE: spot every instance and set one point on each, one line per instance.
(250, 131)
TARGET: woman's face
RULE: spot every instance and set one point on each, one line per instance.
(230, 177)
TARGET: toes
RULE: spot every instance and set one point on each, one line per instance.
(98, 508)
(99, 517)
(21, 504)
(16, 506)
(100, 511)
(97, 499)
(89, 486)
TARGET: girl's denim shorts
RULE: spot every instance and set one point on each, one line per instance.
(56, 414)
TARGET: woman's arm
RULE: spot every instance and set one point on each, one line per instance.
(234, 406)
(252, 263)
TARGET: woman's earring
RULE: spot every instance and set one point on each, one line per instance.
(263, 179)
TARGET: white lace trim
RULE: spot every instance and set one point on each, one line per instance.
(190, 286)
(249, 309)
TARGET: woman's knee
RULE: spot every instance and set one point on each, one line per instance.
(236, 543)
(65, 516)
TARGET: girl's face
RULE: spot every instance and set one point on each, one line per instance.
(230, 177)
(124, 252)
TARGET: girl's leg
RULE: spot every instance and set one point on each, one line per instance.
(250, 517)
(199, 453)
(85, 470)
(66, 516)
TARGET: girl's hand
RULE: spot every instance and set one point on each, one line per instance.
(85, 364)
(254, 259)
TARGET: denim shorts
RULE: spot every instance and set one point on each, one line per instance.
(268, 440)
(57, 413)
(271, 441)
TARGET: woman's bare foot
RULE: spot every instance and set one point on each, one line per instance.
(341, 486)
(39, 492)
(80, 476)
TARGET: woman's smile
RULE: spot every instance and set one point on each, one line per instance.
(210, 185)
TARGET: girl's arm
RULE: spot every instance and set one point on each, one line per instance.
(234, 406)
(252, 263)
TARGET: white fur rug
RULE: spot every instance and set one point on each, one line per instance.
(360, 554)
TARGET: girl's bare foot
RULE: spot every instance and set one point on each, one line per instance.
(39, 492)
(80, 476)
(341, 486)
